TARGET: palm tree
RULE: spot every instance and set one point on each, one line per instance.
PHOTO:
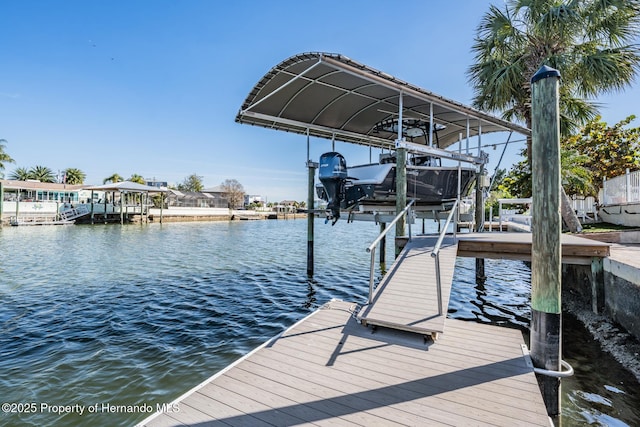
(137, 179)
(191, 183)
(588, 41)
(20, 174)
(113, 179)
(42, 174)
(4, 157)
(74, 176)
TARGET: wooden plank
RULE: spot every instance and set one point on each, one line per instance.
(442, 359)
(407, 298)
(353, 373)
(518, 246)
(330, 370)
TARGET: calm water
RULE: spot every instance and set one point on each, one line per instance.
(101, 316)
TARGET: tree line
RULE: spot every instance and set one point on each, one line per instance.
(232, 189)
(596, 152)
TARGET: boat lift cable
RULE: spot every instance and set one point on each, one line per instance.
(495, 172)
(495, 144)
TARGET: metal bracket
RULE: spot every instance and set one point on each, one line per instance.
(556, 374)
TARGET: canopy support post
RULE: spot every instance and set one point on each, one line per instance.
(311, 166)
(401, 178)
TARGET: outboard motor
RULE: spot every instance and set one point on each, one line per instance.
(333, 176)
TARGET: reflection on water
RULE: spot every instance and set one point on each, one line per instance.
(598, 393)
(501, 298)
(601, 392)
(137, 315)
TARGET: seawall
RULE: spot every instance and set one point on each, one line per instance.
(616, 325)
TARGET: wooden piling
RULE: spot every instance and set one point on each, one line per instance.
(383, 249)
(480, 270)
(401, 192)
(479, 217)
(1, 202)
(310, 215)
(479, 212)
(546, 274)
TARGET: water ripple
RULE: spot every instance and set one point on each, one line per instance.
(139, 314)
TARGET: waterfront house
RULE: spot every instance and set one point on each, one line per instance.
(33, 198)
(195, 199)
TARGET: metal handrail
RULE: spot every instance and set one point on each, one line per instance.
(372, 246)
(436, 248)
(393, 222)
(435, 253)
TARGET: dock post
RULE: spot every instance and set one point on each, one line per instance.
(383, 249)
(92, 209)
(479, 217)
(546, 256)
(401, 192)
(1, 202)
(479, 213)
(310, 215)
(480, 270)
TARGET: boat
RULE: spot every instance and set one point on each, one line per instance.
(428, 184)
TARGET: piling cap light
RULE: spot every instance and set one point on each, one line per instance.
(544, 72)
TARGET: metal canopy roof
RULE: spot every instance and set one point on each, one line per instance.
(335, 97)
(127, 186)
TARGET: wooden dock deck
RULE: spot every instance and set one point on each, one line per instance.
(407, 297)
(517, 246)
(330, 370)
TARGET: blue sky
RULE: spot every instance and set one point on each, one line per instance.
(152, 87)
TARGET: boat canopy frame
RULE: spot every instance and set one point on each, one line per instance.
(331, 96)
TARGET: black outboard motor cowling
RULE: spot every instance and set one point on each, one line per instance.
(333, 175)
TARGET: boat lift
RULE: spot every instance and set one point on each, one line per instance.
(333, 97)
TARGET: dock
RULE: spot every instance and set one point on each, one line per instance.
(40, 219)
(407, 297)
(396, 361)
(517, 246)
(330, 370)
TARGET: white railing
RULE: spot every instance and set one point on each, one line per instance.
(372, 246)
(585, 207)
(28, 218)
(436, 253)
(75, 212)
(622, 189)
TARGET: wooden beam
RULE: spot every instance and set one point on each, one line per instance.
(401, 190)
